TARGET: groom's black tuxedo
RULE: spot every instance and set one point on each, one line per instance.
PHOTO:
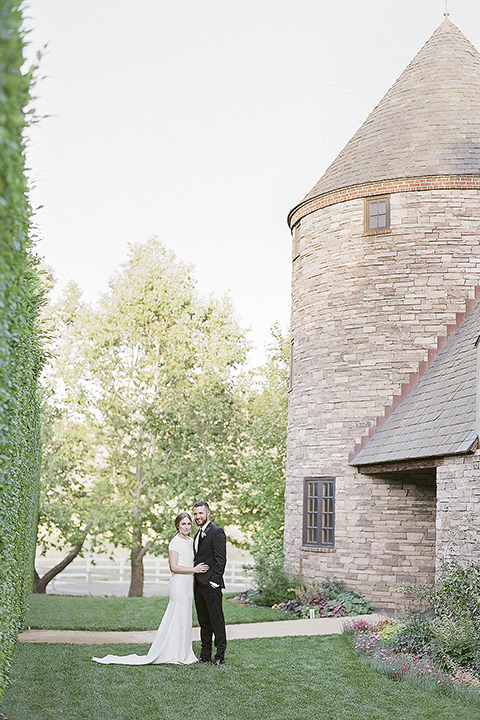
(211, 550)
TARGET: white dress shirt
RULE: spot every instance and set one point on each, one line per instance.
(202, 532)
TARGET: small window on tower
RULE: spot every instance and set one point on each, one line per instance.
(296, 241)
(377, 214)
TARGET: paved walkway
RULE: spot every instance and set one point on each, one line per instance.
(282, 628)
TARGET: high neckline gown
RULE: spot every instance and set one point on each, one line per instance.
(173, 641)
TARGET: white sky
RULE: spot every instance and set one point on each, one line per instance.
(204, 122)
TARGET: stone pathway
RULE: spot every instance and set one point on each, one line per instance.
(282, 628)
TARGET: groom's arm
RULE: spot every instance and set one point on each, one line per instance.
(219, 548)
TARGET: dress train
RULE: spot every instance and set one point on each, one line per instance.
(173, 641)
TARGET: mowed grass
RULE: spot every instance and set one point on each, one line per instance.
(272, 679)
(64, 612)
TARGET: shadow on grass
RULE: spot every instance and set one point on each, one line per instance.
(271, 679)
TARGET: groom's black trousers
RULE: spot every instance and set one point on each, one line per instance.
(208, 601)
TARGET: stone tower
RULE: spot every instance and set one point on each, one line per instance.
(386, 259)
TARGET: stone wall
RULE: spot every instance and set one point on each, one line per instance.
(388, 539)
(458, 530)
(365, 311)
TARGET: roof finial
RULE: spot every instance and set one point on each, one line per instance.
(446, 13)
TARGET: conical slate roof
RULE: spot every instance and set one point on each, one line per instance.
(428, 123)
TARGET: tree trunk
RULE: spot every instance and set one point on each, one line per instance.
(136, 560)
(40, 583)
(138, 551)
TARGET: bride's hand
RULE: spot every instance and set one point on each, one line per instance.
(200, 568)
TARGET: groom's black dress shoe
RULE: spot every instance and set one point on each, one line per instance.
(203, 660)
(218, 661)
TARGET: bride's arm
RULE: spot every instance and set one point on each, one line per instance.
(176, 568)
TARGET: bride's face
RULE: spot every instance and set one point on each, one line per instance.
(184, 526)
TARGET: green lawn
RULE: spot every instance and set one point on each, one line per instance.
(316, 678)
(63, 612)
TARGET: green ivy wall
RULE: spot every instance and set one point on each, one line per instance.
(20, 352)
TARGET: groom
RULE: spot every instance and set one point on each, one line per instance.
(210, 547)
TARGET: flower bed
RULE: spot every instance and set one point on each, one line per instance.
(376, 644)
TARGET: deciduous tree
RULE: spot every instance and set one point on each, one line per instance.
(262, 496)
(160, 379)
(68, 502)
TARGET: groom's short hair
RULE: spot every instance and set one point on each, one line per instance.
(201, 503)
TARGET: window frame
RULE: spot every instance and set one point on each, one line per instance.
(367, 215)
(323, 529)
(295, 241)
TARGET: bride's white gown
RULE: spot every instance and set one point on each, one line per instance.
(173, 641)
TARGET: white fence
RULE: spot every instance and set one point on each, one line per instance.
(101, 569)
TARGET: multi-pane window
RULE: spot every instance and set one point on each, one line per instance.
(319, 511)
(377, 214)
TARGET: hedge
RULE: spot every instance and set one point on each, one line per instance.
(20, 351)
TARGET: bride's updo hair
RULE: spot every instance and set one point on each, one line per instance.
(180, 517)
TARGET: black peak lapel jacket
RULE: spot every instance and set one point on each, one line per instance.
(212, 550)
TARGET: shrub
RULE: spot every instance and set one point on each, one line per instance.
(272, 584)
(457, 592)
(455, 624)
(332, 588)
(414, 635)
(455, 639)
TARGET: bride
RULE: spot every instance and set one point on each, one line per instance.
(173, 641)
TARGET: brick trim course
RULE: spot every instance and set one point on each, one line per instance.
(383, 187)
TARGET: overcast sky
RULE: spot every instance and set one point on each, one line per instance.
(204, 122)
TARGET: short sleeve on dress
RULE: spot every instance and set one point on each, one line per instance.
(184, 549)
(173, 544)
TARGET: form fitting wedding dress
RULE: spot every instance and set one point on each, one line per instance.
(173, 641)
